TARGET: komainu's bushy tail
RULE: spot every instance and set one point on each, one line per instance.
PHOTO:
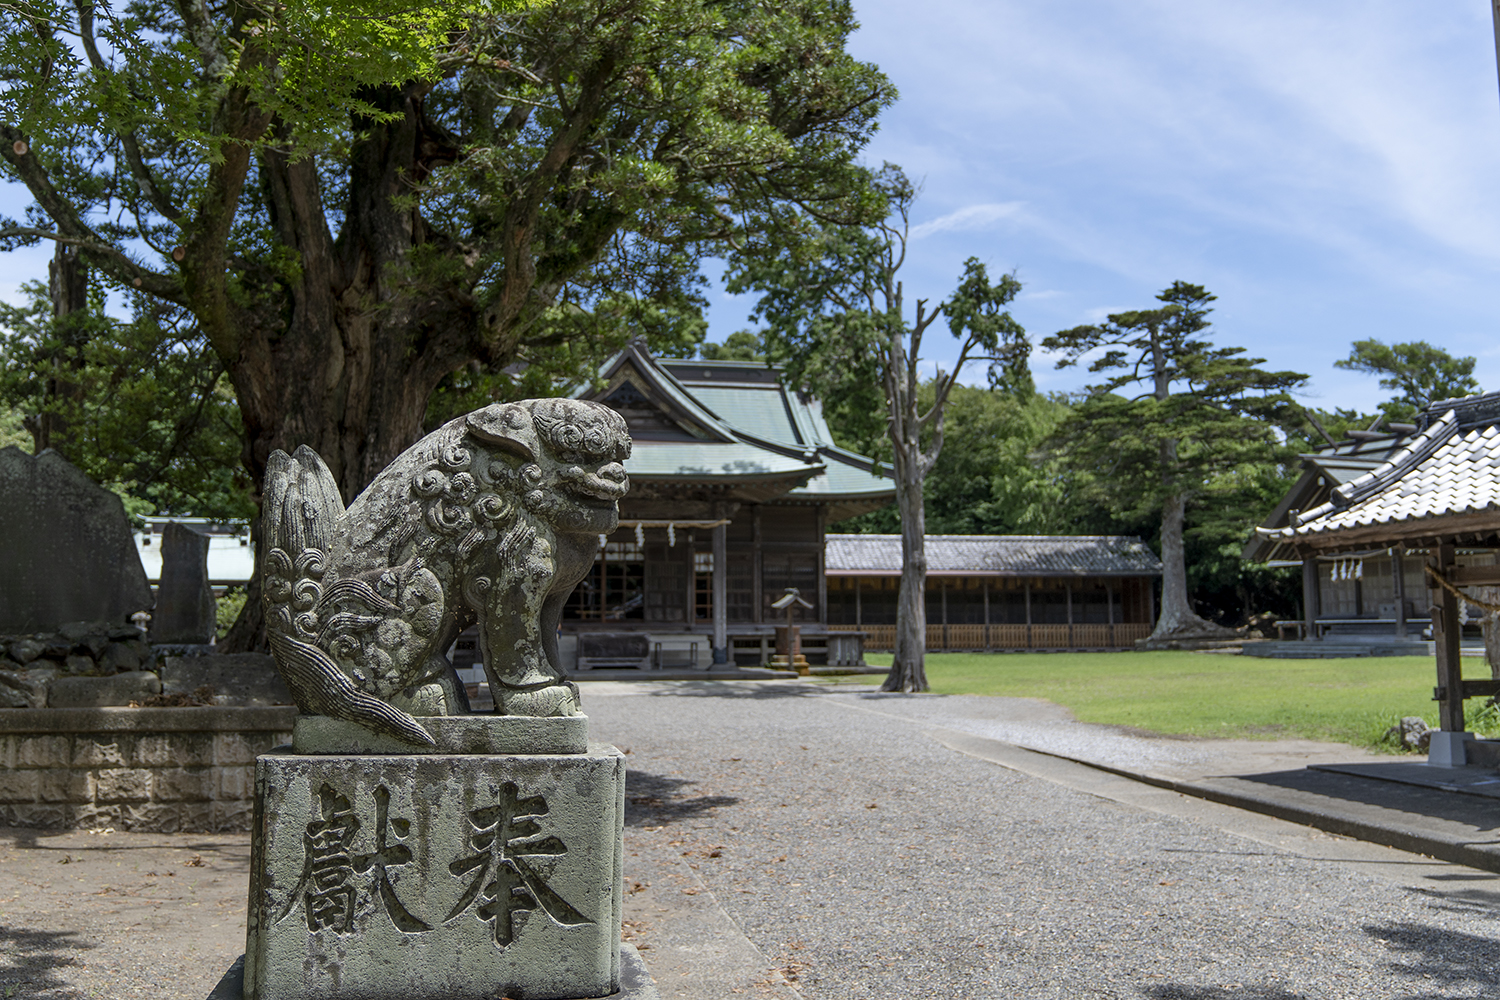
(301, 510)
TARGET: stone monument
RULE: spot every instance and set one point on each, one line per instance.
(69, 554)
(403, 847)
(184, 612)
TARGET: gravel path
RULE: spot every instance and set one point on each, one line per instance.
(787, 841)
(864, 860)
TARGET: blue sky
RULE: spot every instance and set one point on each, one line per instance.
(1330, 170)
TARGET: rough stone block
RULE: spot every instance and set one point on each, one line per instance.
(69, 552)
(42, 751)
(152, 817)
(429, 877)
(119, 657)
(97, 692)
(90, 816)
(237, 678)
(25, 650)
(66, 785)
(243, 748)
(25, 688)
(46, 817)
(100, 751)
(236, 783)
(195, 817)
(184, 602)
(20, 786)
(8, 751)
(123, 784)
(233, 817)
(182, 784)
(174, 749)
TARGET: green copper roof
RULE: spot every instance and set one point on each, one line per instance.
(759, 410)
(671, 459)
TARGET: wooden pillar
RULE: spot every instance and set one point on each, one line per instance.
(1445, 635)
(1310, 598)
(859, 611)
(986, 612)
(1109, 602)
(943, 606)
(1028, 614)
(823, 566)
(755, 573)
(1068, 587)
(721, 588)
(1398, 586)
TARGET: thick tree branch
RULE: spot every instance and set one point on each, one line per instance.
(72, 230)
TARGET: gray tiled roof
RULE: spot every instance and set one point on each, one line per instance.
(1448, 469)
(1010, 555)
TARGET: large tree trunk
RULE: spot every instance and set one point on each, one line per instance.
(909, 668)
(68, 285)
(344, 350)
(1177, 619)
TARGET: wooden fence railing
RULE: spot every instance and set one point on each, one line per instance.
(987, 637)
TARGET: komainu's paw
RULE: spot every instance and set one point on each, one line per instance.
(553, 700)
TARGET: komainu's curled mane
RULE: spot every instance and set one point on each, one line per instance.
(493, 517)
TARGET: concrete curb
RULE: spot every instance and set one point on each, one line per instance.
(1418, 832)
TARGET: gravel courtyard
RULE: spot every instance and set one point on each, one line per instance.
(787, 840)
(864, 860)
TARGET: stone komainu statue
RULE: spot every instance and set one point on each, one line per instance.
(493, 517)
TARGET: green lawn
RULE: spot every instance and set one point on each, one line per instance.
(1348, 701)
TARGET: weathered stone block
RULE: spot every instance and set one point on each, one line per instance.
(152, 817)
(66, 785)
(100, 751)
(243, 748)
(184, 602)
(97, 692)
(35, 816)
(25, 688)
(429, 877)
(457, 734)
(20, 786)
(233, 817)
(182, 784)
(89, 816)
(8, 751)
(123, 784)
(174, 749)
(236, 784)
(237, 678)
(79, 664)
(119, 657)
(42, 751)
(25, 650)
(195, 816)
(68, 548)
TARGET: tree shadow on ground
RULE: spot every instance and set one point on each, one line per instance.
(755, 690)
(655, 800)
(1457, 961)
(30, 961)
(1181, 991)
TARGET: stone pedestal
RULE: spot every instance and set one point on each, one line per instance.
(436, 876)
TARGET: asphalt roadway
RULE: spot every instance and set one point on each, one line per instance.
(795, 840)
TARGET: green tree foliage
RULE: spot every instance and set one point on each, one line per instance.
(1200, 420)
(1420, 373)
(835, 314)
(149, 412)
(742, 345)
(992, 477)
(354, 202)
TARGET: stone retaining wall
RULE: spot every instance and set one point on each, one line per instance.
(163, 770)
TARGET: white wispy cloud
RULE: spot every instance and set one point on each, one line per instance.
(970, 217)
